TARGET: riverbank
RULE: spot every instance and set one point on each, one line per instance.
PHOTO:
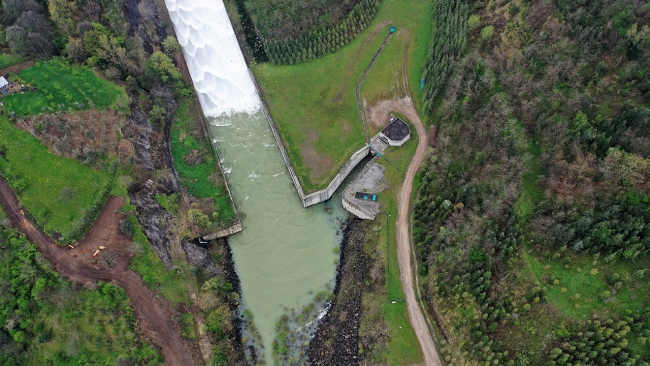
(336, 341)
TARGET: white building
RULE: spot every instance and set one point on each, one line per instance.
(4, 84)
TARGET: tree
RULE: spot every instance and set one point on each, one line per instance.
(61, 12)
(126, 228)
(487, 33)
(157, 115)
(198, 218)
(30, 35)
(14, 8)
(171, 46)
(162, 66)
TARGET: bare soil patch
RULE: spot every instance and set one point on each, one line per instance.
(378, 113)
(16, 68)
(86, 263)
(75, 135)
(318, 164)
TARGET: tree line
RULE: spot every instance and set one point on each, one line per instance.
(449, 38)
(320, 42)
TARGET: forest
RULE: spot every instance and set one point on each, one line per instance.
(102, 88)
(532, 219)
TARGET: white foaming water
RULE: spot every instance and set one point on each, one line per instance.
(213, 56)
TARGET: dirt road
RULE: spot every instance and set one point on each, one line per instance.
(405, 106)
(110, 264)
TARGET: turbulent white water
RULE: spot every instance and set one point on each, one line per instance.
(213, 56)
(285, 255)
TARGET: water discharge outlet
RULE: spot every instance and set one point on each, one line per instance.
(286, 254)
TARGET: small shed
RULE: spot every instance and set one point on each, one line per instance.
(4, 84)
(396, 133)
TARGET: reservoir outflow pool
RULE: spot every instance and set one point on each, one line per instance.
(286, 254)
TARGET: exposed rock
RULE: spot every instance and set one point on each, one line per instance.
(336, 341)
(200, 257)
(155, 221)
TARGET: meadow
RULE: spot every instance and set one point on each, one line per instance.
(58, 192)
(313, 104)
(59, 86)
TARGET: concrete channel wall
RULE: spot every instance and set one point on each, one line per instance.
(324, 194)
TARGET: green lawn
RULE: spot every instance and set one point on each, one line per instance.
(202, 180)
(7, 59)
(55, 190)
(63, 87)
(313, 104)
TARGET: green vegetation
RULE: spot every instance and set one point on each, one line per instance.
(448, 42)
(63, 87)
(173, 285)
(278, 20)
(62, 194)
(321, 42)
(49, 320)
(8, 59)
(385, 304)
(196, 163)
(313, 104)
(532, 220)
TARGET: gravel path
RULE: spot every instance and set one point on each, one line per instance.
(405, 106)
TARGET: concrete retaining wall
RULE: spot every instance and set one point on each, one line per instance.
(324, 194)
(357, 210)
(349, 203)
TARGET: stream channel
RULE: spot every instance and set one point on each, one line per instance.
(286, 254)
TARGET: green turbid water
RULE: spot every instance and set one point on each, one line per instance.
(286, 254)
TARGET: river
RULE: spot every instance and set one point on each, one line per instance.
(286, 254)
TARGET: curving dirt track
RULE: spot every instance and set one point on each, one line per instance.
(108, 265)
(405, 106)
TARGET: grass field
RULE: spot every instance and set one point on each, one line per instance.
(7, 59)
(196, 164)
(55, 190)
(63, 87)
(313, 104)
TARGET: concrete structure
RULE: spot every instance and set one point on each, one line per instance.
(232, 229)
(324, 194)
(368, 181)
(396, 133)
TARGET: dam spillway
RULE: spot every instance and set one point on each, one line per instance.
(286, 253)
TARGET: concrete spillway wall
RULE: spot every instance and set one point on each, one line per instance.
(324, 194)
